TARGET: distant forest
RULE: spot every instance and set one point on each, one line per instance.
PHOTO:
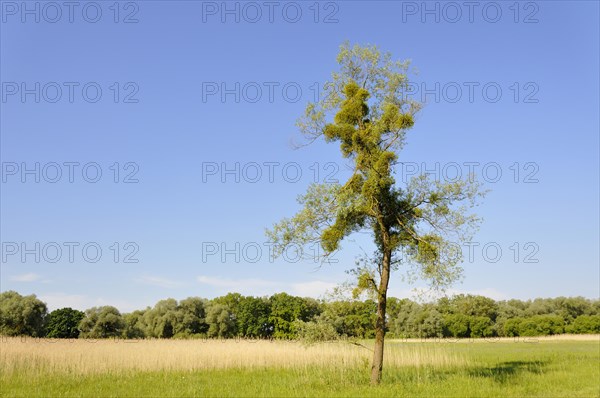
(282, 316)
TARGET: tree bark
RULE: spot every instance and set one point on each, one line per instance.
(377, 367)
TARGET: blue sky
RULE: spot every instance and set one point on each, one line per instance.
(188, 92)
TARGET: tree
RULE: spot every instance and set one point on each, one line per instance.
(549, 324)
(315, 331)
(481, 326)
(429, 322)
(253, 317)
(102, 322)
(508, 310)
(286, 309)
(220, 321)
(21, 315)
(350, 318)
(569, 308)
(191, 314)
(477, 306)
(161, 319)
(169, 318)
(364, 108)
(512, 327)
(63, 323)
(457, 325)
(404, 323)
(585, 324)
(134, 325)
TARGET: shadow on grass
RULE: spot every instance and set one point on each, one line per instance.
(504, 372)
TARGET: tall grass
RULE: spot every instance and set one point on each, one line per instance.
(101, 356)
(525, 367)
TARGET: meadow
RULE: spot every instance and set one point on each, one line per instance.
(559, 366)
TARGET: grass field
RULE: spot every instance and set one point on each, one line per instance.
(565, 366)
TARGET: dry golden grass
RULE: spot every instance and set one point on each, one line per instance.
(107, 356)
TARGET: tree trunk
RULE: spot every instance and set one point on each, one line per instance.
(377, 367)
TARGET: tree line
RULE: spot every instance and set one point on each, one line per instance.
(283, 316)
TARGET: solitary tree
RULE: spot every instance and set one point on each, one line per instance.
(366, 110)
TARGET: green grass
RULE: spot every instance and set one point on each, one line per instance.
(497, 369)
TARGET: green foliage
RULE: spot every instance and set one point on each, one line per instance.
(22, 315)
(405, 323)
(63, 323)
(220, 320)
(315, 331)
(284, 316)
(134, 325)
(431, 323)
(286, 309)
(549, 324)
(512, 327)
(476, 306)
(481, 326)
(252, 317)
(351, 318)
(160, 321)
(457, 325)
(191, 316)
(169, 317)
(102, 322)
(538, 325)
(585, 324)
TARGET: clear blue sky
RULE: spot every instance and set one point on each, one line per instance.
(167, 122)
